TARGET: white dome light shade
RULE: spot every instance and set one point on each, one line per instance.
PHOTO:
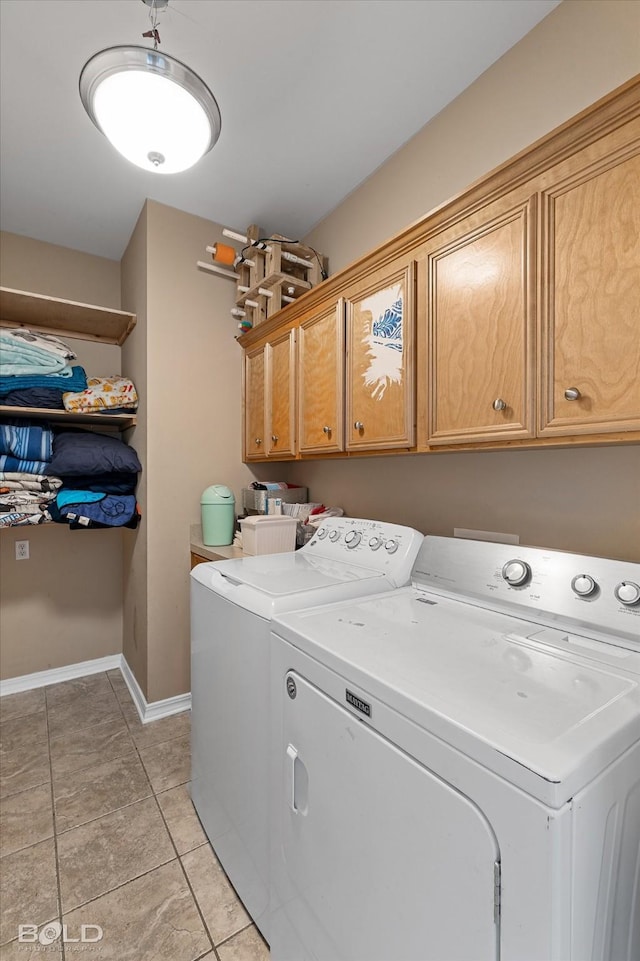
(154, 110)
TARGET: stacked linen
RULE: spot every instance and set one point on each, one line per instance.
(26, 498)
(23, 352)
(35, 370)
(26, 494)
(99, 475)
(103, 395)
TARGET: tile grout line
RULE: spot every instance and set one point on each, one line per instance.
(186, 877)
(55, 833)
(173, 844)
(179, 856)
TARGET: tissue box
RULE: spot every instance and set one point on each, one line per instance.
(268, 534)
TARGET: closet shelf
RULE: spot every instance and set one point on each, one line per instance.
(117, 421)
(19, 308)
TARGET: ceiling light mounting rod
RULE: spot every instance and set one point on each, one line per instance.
(154, 7)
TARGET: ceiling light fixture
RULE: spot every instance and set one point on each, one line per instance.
(154, 109)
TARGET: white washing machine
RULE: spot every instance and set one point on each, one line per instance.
(231, 606)
(456, 765)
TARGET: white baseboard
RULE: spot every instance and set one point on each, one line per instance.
(14, 685)
(148, 711)
(152, 711)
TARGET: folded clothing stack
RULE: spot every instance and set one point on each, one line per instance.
(25, 353)
(35, 370)
(73, 477)
(99, 475)
(104, 395)
(26, 498)
(25, 494)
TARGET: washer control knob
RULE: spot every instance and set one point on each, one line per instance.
(352, 539)
(516, 572)
(583, 585)
(627, 592)
(334, 536)
(322, 533)
(391, 547)
(375, 543)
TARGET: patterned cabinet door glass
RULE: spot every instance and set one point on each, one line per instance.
(481, 330)
(254, 419)
(590, 303)
(321, 373)
(281, 394)
(380, 363)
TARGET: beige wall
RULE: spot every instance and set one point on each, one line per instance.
(192, 424)
(582, 50)
(134, 361)
(64, 604)
(576, 499)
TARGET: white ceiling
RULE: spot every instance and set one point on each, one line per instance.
(314, 96)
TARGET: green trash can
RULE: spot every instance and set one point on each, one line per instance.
(218, 506)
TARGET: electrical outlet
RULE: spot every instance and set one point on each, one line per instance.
(22, 550)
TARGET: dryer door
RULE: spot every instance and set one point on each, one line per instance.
(379, 859)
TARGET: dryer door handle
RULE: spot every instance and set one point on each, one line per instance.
(298, 786)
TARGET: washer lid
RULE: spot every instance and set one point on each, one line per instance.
(271, 582)
(547, 718)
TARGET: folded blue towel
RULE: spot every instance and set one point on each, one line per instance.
(71, 378)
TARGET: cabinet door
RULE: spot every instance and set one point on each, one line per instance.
(380, 379)
(321, 369)
(281, 396)
(480, 276)
(254, 395)
(590, 301)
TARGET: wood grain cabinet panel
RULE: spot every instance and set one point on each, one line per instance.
(254, 409)
(321, 381)
(380, 363)
(590, 299)
(280, 354)
(478, 284)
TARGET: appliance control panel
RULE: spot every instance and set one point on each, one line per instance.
(593, 595)
(377, 545)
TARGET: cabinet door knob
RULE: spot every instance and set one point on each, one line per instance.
(358, 425)
(258, 441)
(274, 438)
(572, 393)
(499, 404)
(326, 430)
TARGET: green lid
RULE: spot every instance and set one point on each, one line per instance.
(217, 494)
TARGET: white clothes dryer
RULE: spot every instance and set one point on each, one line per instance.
(231, 606)
(456, 764)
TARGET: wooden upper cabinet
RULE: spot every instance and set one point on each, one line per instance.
(254, 404)
(477, 281)
(380, 362)
(590, 299)
(281, 395)
(321, 388)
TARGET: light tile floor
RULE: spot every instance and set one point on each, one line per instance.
(97, 828)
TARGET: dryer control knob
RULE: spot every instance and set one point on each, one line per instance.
(627, 592)
(391, 547)
(352, 539)
(583, 585)
(516, 572)
(322, 533)
(334, 536)
(375, 543)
